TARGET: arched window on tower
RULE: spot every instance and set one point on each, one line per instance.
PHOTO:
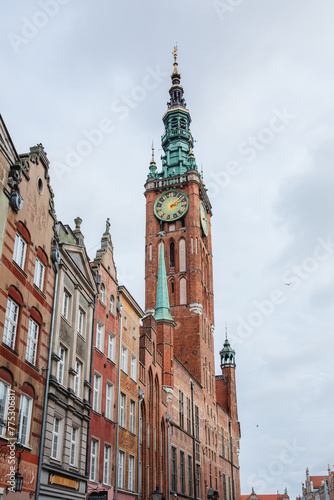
(173, 123)
(172, 254)
(183, 291)
(182, 255)
(183, 123)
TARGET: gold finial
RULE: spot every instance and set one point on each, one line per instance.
(152, 151)
(175, 53)
(190, 146)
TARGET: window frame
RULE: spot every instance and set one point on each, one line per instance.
(12, 321)
(61, 365)
(32, 342)
(20, 260)
(73, 447)
(133, 368)
(20, 426)
(55, 440)
(109, 401)
(132, 417)
(66, 305)
(4, 387)
(106, 463)
(39, 274)
(111, 346)
(99, 341)
(77, 378)
(124, 359)
(93, 465)
(131, 473)
(122, 410)
(96, 393)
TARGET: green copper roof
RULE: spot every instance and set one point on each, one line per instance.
(162, 308)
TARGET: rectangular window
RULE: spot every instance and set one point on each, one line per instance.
(122, 416)
(124, 359)
(61, 365)
(23, 430)
(121, 456)
(96, 392)
(197, 451)
(190, 476)
(131, 477)
(55, 445)
(111, 347)
(32, 341)
(196, 422)
(39, 274)
(223, 444)
(99, 336)
(174, 469)
(73, 446)
(4, 392)
(198, 480)
(182, 473)
(81, 322)
(188, 416)
(181, 414)
(106, 464)
(11, 318)
(224, 487)
(77, 378)
(109, 400)
(133, 373)
(66, 305)
(132, 420)
(93, 460)
(20, 248)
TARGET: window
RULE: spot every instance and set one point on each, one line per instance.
(32, 341)
(93, 460)
(55, 445)
(188, 416)
(4, 390)
(122, 415)
(131, 476)
(66, 305)
(196, 422)
(190, 476)
(20, 249)
(198, 453)
(124, 359)
(182, 473)
(181, 415)
(96, 392)
(172, 255)
(174, 469)
(121, 456)
(183, 291)
(11, 319)
(99, 336)
(106, 464)
(103, 294)
(112, 304)
(77, 378)
(39, 274)
(132, 420)
(198, 480)
(24, 419)
(111, 347)
(61, 365)
(223, 444)
(133, 373)
(109, 400)
(73, 446)
(182, 255)
(81, 322)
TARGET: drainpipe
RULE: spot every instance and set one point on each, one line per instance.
(119, 309)
(140, 399)
(98, 283)
(168, 457)
(55, 257)
(194, 444)
(231, 450)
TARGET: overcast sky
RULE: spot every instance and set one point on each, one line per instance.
(90, 81)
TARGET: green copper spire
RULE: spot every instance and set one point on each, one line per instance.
(227, 354)
(162, 308)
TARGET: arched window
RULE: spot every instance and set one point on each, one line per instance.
(172, 254)
(150, 252)
(183, 123)
(103, 293)
(182, 255)
(173, 123)
(183, 291)
(24, 425)
(112, 304)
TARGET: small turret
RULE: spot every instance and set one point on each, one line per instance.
(227, 354)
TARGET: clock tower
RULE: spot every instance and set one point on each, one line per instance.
(177, 205)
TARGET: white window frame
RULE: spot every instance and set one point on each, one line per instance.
(133, 369)
(99, 336)
(4, 393)
(120, 479)
(81, 322)
(122, 411)
(66, 304)
(103, 293)
(96, 392)
(112, 304)
(55, 442)
(61, 365)
(93, 459)
(73, 446)
(24, 420)
(39, 274)
(106, 464)
(77, 378)
(109, 400)
(111, 346)
(132, 417)
(131, 473)
(11, 321)
(20, 249)
(32, 341)
(124, 359)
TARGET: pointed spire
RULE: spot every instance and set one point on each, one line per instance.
(175, 76)
(162, 308)
(153, 166)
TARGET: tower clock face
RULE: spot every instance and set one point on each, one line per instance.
(204, 218)
(171, 205)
